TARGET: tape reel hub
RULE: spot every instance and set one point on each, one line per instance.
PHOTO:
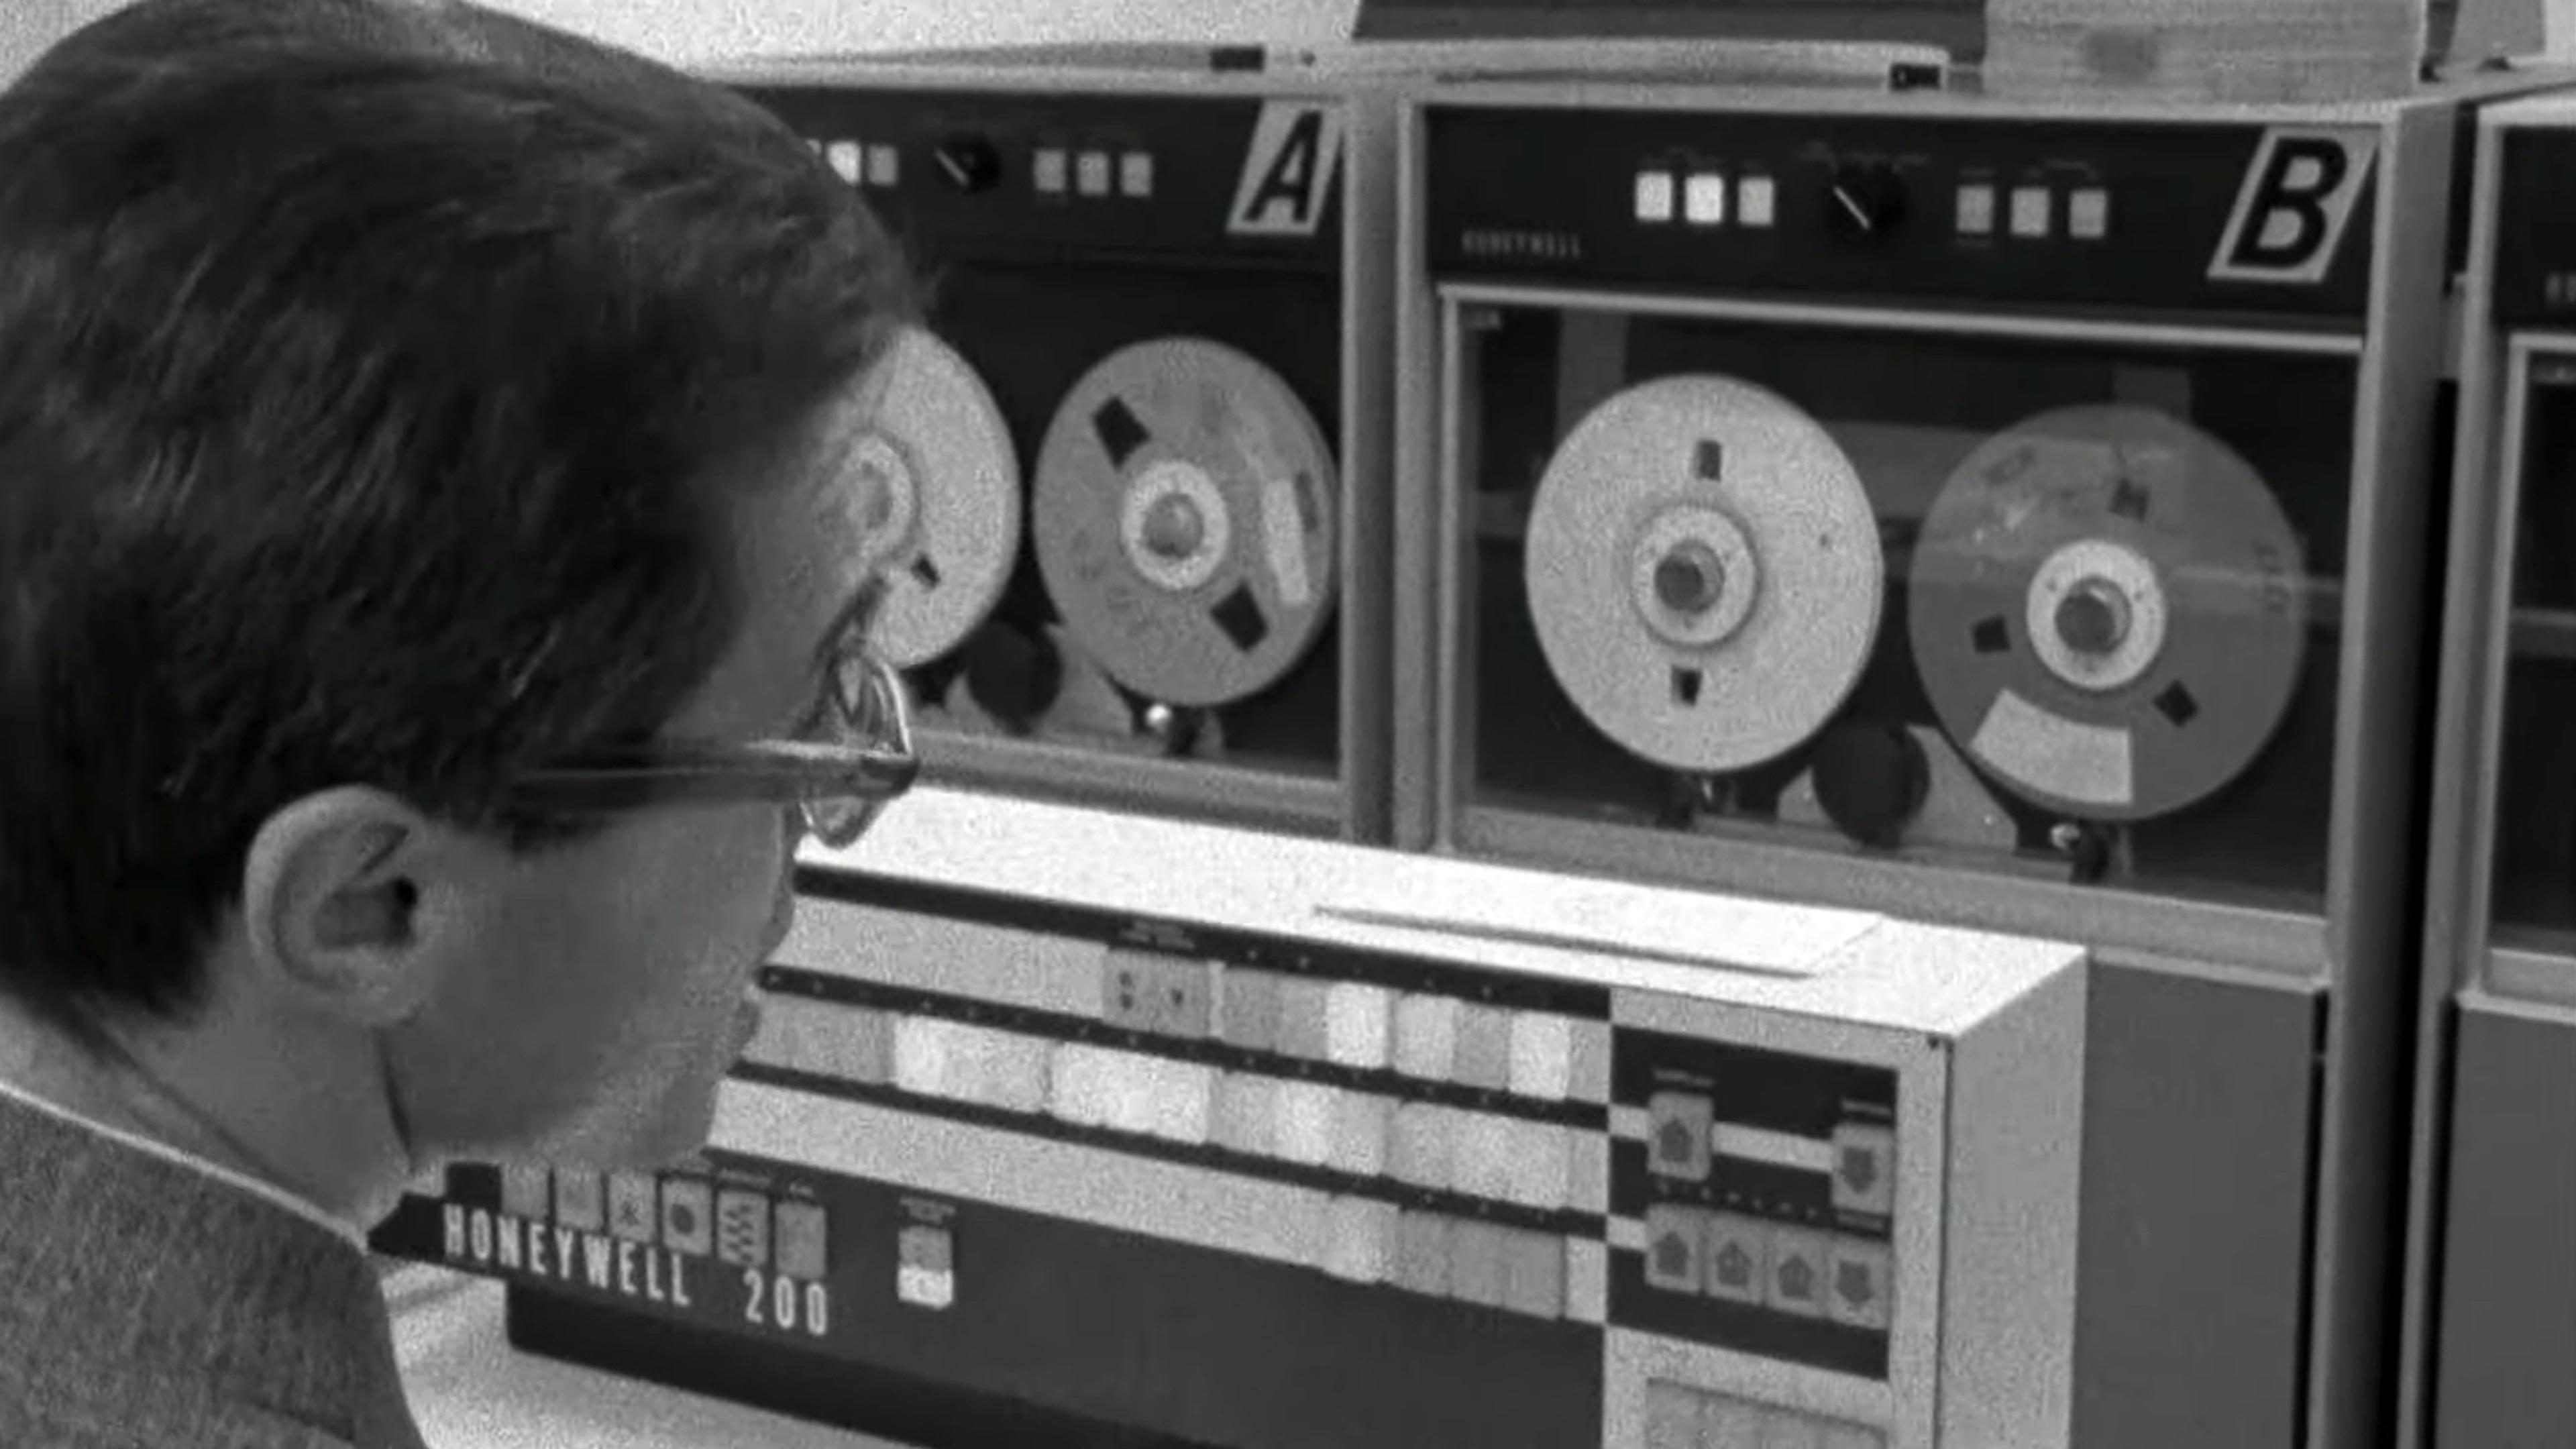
(1175, 526)
(1696, 577)
(2097, 616)
(1704, 572)
(893, 508)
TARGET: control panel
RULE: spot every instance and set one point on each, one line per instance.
(1240, 177)
(2192, 216)
(1245, 1183)
(2535, 277)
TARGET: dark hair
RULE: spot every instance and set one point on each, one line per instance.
(375, 375)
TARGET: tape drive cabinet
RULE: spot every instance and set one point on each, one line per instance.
(1996, 513)
(1134, 463)
(2493, 1247)
(1069, 1128)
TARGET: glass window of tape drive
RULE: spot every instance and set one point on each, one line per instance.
(1832, 504)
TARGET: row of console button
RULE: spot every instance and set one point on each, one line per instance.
(1544, 1166)
(1791, 1270)
(683, 1214)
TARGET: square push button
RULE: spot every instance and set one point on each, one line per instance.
(1251, 1010)
(688, 1216)
(926, 1267)
(804, 1241)
(1534, 1274)
(1305, 1019)
(1862, 1284)
(1677, 1135)
(1476, 1262)
(527, 1191)
(1484, 1048)
(1424, 1152)
(1047, 171)
(1245, 1107)
(742, 1229)
(1864, 1169)
(1673, 1248)
(1357, 1023)
(1426, 1036)
(1736, 1246)
(580, 1201)
(1422, 1253)
(633, 1206)
(1797, 1280)
(1542, 1056)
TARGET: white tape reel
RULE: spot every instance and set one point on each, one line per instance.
(939, 486)
(1705, 573)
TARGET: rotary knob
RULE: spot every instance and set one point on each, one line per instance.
(1864, 199)
(967, 163)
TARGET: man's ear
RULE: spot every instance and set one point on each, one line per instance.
(357, 906)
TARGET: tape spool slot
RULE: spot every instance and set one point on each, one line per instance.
(2108, 612)
(1185, 515)
(1705, 576)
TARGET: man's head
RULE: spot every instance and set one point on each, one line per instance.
(397, 399)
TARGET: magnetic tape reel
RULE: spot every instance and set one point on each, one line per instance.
(1704, 572)
(1184, 517)
(939, 485)
(2108, 612)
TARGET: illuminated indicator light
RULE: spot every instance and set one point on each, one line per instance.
(1704, 199)
(2088, 214)
(2033, 211)
(1976, 209)
(1047, 171)
(885, 166)
(1757, 201)
(1654, 197)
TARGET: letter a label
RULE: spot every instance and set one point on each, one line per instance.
(2296, 202)
(1288, 172)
